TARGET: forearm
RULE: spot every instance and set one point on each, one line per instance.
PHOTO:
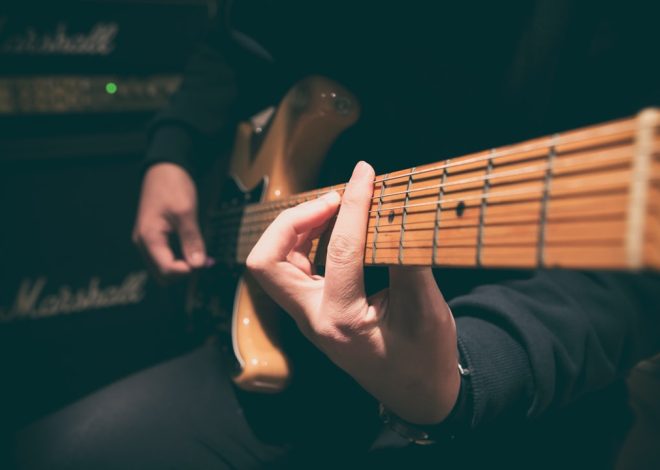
(202, 110)
(542, 343)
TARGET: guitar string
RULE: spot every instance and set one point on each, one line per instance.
(290, 202)
(592, 242)
(248, 218)
(607, 190)
(226, 215)
(427, 234)
(253, 238)
(600, 216)
(427, 244)
(446, 244)
(502, 174)
(462, 161)
(496, 154)
(255, 231)
(428, 225)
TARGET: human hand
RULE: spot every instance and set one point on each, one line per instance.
(168, 204)
(399, 344)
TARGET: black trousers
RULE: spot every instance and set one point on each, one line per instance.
(186, 414)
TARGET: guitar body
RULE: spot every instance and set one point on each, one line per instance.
(277, 154)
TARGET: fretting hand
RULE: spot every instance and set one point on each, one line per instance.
(399, 344)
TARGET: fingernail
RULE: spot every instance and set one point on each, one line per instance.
(361, 169)
(197, 259)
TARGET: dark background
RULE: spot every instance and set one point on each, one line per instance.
(70, 160)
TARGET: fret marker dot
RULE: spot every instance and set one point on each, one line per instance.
(390, 217)
(460, 209)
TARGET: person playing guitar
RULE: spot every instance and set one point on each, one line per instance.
(517, 367)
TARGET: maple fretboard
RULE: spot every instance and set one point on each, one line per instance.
(587, 198)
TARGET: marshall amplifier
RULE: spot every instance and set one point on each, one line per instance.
(59, 94)
(79, 82)
(96, 37)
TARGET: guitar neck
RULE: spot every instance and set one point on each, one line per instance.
(582, 199)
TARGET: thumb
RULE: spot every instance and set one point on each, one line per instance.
(192, 243)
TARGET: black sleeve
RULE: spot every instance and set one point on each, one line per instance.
(202, 110)
(542, 343)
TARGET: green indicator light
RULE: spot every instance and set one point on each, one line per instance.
(111, 88)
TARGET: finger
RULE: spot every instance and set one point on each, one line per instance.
(161, 255)
(291, 287)
(283, 234)
(344, 264)
(192, 242)
(305, 240)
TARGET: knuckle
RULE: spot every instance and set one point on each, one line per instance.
(254, 264)
(324, 329)
(353, 198)
(287, 216)
(337, 332)
(357, 194)
(183, 209)
(191, 237)
(148, 236)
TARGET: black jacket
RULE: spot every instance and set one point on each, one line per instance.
(436, 82)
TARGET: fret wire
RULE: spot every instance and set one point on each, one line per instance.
(475, 179)
(383, 185)
(403, 216)
(482, 210)
(518, 148)
(521, 192)
(615, 216)
(544, 202)
(453, 241)
(625, 127)
(250, 217)
(438, 211)
(513, 245)
(468, 198)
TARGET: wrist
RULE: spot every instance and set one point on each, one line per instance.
(172, 144)
(457, 422)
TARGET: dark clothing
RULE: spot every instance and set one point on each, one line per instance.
(434, 82)
(185, 414)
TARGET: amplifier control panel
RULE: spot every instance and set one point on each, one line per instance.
(63, 94)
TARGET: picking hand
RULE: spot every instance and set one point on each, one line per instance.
(169, 205)
(399, 344)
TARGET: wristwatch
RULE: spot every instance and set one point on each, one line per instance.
(412, 432)
(425, 435)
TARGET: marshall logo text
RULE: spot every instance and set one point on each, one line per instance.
(31, 303)
(98, 41)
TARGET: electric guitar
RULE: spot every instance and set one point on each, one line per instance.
(587, 198)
